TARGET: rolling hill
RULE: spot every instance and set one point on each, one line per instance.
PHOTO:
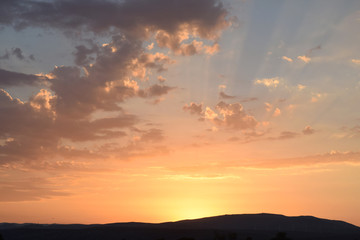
(226, 227)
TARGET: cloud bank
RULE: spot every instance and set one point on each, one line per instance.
(104, 76)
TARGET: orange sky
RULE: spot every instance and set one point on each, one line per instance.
(165, 110)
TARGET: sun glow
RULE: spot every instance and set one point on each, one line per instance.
(192, 208)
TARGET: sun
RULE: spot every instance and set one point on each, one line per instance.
(192, 209)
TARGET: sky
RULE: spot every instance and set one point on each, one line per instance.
(158, 110)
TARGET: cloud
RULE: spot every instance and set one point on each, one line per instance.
(133, 17)
(250, 99)
(9, 78)
(25, 130)
(155, 90)
(106, 82)
(355, 131)
(144, 145)
(285, 135)
(5, 56)
(210, 114)
(175, 43)
(103, 128)
(194, 108)
(83, 54)
(66, 110)
(286, 59)
(229, 116)
(268, 106)
(318, 47)
(172, 22)
(304, 58)
(161, 79)
(268, 82)
(319, 160)
(31, 189)
(301, 87)
(277, 112)
(18, 54)
(333, 157)
(308, 130)
(355, 61)
(150, 46)
(222, 86)
(317, 96)
(350, 132)
(152, 135)
(32, 130)
(234, 117)
(225, 96)
(145, 61)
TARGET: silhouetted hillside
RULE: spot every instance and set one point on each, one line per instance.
(266, 222)
(227, 227)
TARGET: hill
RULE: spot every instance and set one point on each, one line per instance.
(226, 227)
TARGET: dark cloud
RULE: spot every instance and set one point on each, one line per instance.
(17, 52)
(32, 130)
(152, 135)
(105, 76)
(134, 17)
(35, 129)
(32, 57)
(194, 108)
(103, 84)
(318, 47)
(171, 22)
(308, 130)
(234, 117)
(104, 128)
(83, 54)
(145, 61)
(225, 96)
(9, 78)
(250, 99)
(155, 91)
(285, 135)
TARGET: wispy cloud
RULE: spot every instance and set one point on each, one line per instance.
(287, 59)
(268, 82)
(304, 58)
(308, 130)
(225, 115)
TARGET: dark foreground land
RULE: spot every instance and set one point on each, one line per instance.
(227, 227)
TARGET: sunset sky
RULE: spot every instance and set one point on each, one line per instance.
(161, 110)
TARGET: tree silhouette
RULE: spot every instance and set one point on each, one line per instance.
(281, 236)
(232, 236)
(186, 238)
